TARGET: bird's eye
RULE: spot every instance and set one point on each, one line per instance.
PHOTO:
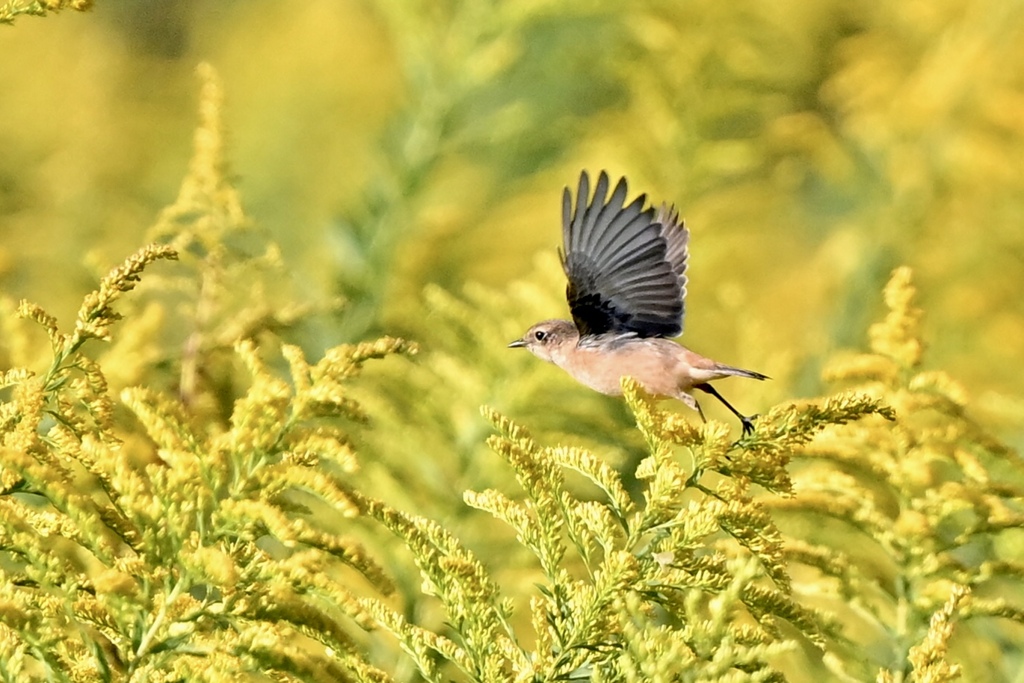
(539, 335)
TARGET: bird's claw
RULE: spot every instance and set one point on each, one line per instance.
(748, 424)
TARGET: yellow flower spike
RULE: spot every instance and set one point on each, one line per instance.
(929, 656)
(898, 337)
(96, 315)
(13, 8)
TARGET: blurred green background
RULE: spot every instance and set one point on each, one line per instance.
(392, 145)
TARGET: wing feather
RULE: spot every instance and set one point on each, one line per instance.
(626, 265)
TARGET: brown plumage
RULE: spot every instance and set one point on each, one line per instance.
(626, 267)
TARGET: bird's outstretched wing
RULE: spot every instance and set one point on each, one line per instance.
(626, 265)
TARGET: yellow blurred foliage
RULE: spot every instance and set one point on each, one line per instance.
(408, 156)
(391, 145)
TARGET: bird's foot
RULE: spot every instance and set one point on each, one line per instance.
(748, 423)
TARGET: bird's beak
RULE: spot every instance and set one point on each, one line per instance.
(517, 344)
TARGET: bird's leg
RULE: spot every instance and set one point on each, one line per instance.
(699, 411)
(692, 402)
(747, 422)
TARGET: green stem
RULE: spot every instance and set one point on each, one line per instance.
(147, 640)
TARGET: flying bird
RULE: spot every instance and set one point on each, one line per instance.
(626, 266)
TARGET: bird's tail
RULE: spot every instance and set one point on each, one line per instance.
(739, 372)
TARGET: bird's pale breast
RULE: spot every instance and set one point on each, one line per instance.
(662, 367)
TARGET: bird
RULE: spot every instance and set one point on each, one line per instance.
(626, 271)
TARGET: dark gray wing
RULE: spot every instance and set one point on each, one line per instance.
(626, 265)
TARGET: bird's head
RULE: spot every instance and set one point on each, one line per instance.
(549, 340)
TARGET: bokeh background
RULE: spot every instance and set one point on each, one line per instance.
(400, 147)
(409, 156)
